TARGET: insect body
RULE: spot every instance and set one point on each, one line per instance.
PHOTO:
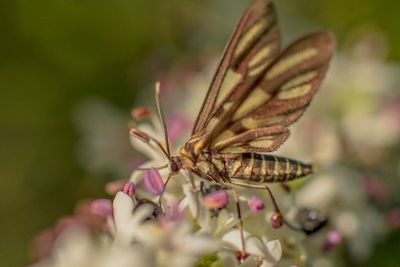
(257, 92)
(247, 169)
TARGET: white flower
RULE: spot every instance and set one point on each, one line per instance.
(269, 252)
(137, 239)
(79, 248)
(352, 105)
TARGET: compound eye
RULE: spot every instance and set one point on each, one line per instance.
(174, 167)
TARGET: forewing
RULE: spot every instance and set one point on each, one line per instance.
(255, 43)
(276, 100)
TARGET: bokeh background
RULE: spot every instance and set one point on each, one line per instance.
(58, 55)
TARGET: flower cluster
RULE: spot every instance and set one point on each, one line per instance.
(187, 222)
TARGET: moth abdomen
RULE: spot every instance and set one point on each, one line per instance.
(263, 168)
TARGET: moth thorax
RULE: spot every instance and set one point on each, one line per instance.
(183, 152)
(175, 165)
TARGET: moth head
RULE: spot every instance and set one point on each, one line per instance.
(175, 165)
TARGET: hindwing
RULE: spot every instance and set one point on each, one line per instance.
(276, 100)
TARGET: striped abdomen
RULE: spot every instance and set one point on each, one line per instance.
(261, 168)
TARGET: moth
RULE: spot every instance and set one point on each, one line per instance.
(257, 92)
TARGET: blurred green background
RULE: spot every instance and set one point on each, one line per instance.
(56, 53)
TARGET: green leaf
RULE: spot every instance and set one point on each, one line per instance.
(207, 260)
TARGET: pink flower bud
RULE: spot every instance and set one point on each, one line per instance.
(216, 200)
(141, 113)
(114, 187)
(153, 182)
(129, 189)
(101, 207)
(255, 204)
(332, 239)
(277, 220)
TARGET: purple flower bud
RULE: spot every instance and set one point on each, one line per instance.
(332, 239)
(277, 220)
(255, 204)
(153, 182)
(101, 207)
(129, 189)
(216, 200)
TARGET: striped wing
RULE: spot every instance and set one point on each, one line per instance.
(255, 43)
(257, 117)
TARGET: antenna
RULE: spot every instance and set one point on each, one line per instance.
(146, 138)
(162, 119)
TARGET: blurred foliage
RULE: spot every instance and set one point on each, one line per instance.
(54, 53)
(344, 17)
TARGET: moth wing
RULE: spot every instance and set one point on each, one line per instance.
(258, 118)
(254, 44)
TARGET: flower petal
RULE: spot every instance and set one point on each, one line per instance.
(273, 251)
(101, 207)
(123, 208)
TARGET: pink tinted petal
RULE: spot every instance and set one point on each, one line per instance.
(216, 200)
(255, 204)
(174, 212)
(130, 189)
(43, 243)
(153, 182)
(333, 238)
(135, 162)
(67, 221)
(101, 207)
(177, 124)
(115, 186)
(172, 215)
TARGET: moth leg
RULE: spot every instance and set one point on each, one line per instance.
(276, 208)
(278, 211)
(149, 168)
(188, 174)
(274, 203)
(310, 221)
(162, 193)
(196, 192)
(239, 213)
(285, 187)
